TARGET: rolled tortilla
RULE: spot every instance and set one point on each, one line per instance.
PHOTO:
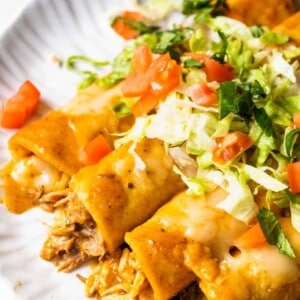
(271, 12)
(291, 27)
(159, 245)
(46, 152)
(126, 187)
(189, 237)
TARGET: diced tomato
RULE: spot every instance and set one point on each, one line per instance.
(136, 84)
(95, 150)
(12, 115)
(253, 238)
(203, 95)
(125, 30)
(296, 120)
(230, 146)
(142, 58)
(214, 70)
(16, 110)
(293, 171)
(31, 94)
(164, 74)
(159, 77)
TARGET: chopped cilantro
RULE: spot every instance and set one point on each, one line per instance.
(136, 25)
(257, 31)
(221, 54)
(122, 109)
(238, 99)
(294, 198)
(273, 232)
(263, 120)
(169, 40)
(292, 143)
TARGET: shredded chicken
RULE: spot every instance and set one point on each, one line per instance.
(119, 276)
(50, 201)
(73, 239)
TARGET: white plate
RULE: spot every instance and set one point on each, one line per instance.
(46, 28)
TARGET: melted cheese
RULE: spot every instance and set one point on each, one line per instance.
(202, 223)
(36, 173)
(262, 270)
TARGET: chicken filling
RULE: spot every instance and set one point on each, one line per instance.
(73, 239)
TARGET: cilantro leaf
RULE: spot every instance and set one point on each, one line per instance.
(137, 25)
(221, 54)
(292, 143)
(234, 99)
(294, 198)
(238, 99)
(273, 232)
(257, 31)
(169, 40)
(122, 109)
(263, 120)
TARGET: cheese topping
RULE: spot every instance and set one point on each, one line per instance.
(34, 172)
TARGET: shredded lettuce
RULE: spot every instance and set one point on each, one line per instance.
(270, 37)
(260, 101)
(172, 123)
(157, 10)
(202, 128)
(198, 40)
(240, 202)
(262, 178)
(121, 66)
(281, 66)
(295, 215)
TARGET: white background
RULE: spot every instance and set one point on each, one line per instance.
(10, 9)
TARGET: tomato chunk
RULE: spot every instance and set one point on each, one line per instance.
(214, 70)
(296, 120)
(230, 146)
(125, 30)
(203, 95)
(16, 110)
(152, 81)
(12, 115)
(253, 238)
(293, 171)
(142, 58)
(135, 84)
(95, 150)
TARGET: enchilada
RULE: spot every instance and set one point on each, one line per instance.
(110, 198)
(84, 227)
(46, 152)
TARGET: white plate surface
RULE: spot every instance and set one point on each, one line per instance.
(46, 28)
